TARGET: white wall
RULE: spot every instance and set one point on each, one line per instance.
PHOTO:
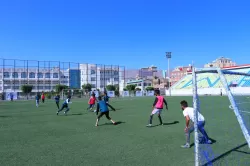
(209, 91)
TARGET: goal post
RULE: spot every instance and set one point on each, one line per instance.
(232, 84)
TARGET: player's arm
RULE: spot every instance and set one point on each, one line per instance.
(97, 109)
(156, 100)
(166, 104)
(110, 107)
(187, 122)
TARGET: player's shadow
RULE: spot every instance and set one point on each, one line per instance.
(226, 154)
(213, 142)
(117, 123)
(166, 124)
(172, 123)
(3, 116)
(77, 114)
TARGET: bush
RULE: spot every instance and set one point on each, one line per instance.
(117, 93)
(48, 95)
(150, 88)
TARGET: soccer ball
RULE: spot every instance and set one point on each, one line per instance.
(94, 110)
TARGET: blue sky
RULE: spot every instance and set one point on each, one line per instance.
(134, 33)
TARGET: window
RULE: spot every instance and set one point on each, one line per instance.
(39, 75)
(23, 75)
(47, 87)
(55, 75)
(93, 72)
(93, 79)
(6, 75)
(15, 75)
(16, 87)
(116, 79)
(93, 86)
(32, 75)
(47, 75)
(40, 87)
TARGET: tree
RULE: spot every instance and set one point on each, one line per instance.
(27, 89)
(138, 89)
(125, 89)
(149, 88)
(87, 87)
(59, 88)
(111, 87)
(130, 87)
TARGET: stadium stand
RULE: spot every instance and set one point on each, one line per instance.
(212, 81)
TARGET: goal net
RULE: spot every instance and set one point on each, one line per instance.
(227, 114)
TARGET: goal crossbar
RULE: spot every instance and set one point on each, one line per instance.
(217, 70)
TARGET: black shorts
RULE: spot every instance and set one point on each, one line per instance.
(106, 114)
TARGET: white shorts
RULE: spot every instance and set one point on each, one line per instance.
(156, 111)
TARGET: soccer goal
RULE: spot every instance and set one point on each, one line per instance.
(233, 91)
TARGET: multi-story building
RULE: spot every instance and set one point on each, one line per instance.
(11, 79)
(178, 73)
(221, 62)
(101, 76)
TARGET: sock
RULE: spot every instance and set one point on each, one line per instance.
(150, 119)
(160, 119)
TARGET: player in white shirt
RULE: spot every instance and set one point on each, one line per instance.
(188, 113)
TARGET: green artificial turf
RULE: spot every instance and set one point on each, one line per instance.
(36, 136)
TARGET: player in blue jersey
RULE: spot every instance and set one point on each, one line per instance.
(37, 100)
(65, 105)
(57, 100)
(102, 107)
(106, 97)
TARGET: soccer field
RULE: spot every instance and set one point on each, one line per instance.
(36, 136)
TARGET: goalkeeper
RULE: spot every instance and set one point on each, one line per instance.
(188, 113)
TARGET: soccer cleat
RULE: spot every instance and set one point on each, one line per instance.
(149, 125)
(57, 113)
(161, 124)
(209, 142)
(186, 146)
(65, 113)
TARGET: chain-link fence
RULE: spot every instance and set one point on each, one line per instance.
(44, 76)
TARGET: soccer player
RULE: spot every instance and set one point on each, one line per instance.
(188, 113)
(43, 97)
(157, 107)
(65, 105)
(102, 106)
(91, 102)
(37, 100)
(106, 97)
(57, 100)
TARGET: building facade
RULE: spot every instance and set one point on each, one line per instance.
(11, 79)
(99, 76)
(221, 62)
(178, 73)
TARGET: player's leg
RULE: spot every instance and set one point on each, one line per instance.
(203, 132)
(159, 116)
(90, 107)
(187, 135)
(108, 117)
(37, 103)
(57, 104)
(63, 106)
(67, 110)
(155, 111)
(98, 118)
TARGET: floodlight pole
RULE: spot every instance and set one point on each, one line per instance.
(168, 56)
